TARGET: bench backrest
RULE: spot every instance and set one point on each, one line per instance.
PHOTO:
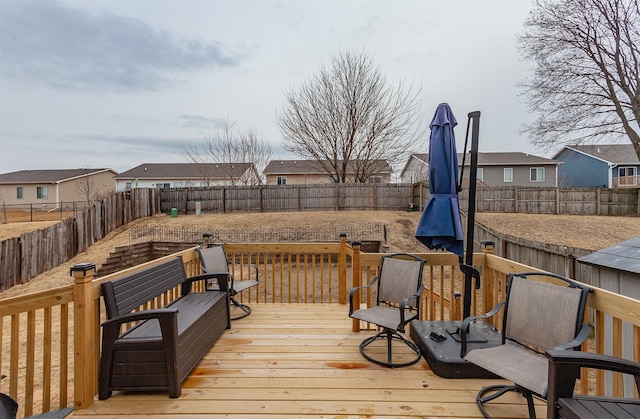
(125, 294)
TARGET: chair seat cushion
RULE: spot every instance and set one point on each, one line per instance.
(386, 317)
(239, 286)
(515, 363)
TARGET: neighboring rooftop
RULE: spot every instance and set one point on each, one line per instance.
(612, 153)
(313, 167)
(46, 176)
(184, 170)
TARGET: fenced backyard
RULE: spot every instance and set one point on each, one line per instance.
(397, 197)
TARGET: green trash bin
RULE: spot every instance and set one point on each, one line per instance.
(174, 212)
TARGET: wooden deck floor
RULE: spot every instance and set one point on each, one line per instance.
(303, 360)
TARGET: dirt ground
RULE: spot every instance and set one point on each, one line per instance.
(587, 232)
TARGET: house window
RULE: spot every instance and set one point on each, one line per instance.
(375, 179)
(19, 192)
(41, 192)
(127, 185)
(163, 185)
(537, 174)
(177, 184)
(508, 174)
(480, 174)
(626, 171)
(281, 180)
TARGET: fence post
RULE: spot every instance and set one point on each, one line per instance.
(356, 273)
(85, 362)
(342, 270)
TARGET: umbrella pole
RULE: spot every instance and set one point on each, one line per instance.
(468, 269)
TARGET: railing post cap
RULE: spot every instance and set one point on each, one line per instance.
(356, 243)
(487, 243)
(343, 235)
(82, 267)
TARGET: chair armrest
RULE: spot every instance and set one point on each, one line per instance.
(354, 290)
(466, 323)
(403, 304)
(583, 334)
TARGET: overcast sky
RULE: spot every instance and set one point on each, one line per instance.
(119, 83)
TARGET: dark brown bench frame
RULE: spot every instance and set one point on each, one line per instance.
(161, 350)
(564, 370)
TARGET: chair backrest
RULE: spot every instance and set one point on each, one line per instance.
(213, 259)
(400, 277)
(541, 314)
(8, 407)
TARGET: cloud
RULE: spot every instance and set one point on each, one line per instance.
(49, 43)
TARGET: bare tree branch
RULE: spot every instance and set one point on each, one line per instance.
(586, 83)
(348, 116)
(231, 145)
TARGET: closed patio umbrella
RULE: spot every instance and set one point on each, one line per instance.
(440, 226)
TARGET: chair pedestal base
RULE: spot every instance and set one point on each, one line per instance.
(497, 391)
(244, 309)
(389, 336)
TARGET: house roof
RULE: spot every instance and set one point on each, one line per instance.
(623, 256)
(312, 167)
(498, 159)
(184, 170)
(48, 176)
(611, 153)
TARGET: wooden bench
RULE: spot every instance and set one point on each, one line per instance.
(159, 352)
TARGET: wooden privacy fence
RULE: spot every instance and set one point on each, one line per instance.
(30, 254)
(274, 198)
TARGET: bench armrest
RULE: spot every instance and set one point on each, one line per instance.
(168, 318)
(222, 277)
(564, 370)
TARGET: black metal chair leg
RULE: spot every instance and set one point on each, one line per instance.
(246, 310)
(389, 336)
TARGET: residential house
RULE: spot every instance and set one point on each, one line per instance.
(181, 175)
(299, 172)
(598, 166)
(494, 169)
(51, 187)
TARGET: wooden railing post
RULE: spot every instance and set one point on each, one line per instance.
(488, 289)
(357, 274)
(85, 362)
(342, 270)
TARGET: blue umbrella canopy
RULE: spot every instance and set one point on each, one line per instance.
(440, 226)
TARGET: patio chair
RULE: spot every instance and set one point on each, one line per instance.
(397, 304)
(8, 407)
(214, 261)
(537, 316)
(564, 370)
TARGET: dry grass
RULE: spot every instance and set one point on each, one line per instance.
(587, 232)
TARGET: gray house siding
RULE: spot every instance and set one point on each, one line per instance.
(580, 171)
(494, 176)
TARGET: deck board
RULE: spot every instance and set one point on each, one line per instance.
(293, 360)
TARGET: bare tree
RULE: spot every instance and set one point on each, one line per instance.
(347, 118)
(586, 82)
(230, 146)
(86, 188)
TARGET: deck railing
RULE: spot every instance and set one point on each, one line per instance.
(50, 341)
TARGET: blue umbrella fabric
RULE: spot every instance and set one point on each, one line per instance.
(440, 226)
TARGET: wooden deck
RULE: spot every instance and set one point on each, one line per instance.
(293, 360)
